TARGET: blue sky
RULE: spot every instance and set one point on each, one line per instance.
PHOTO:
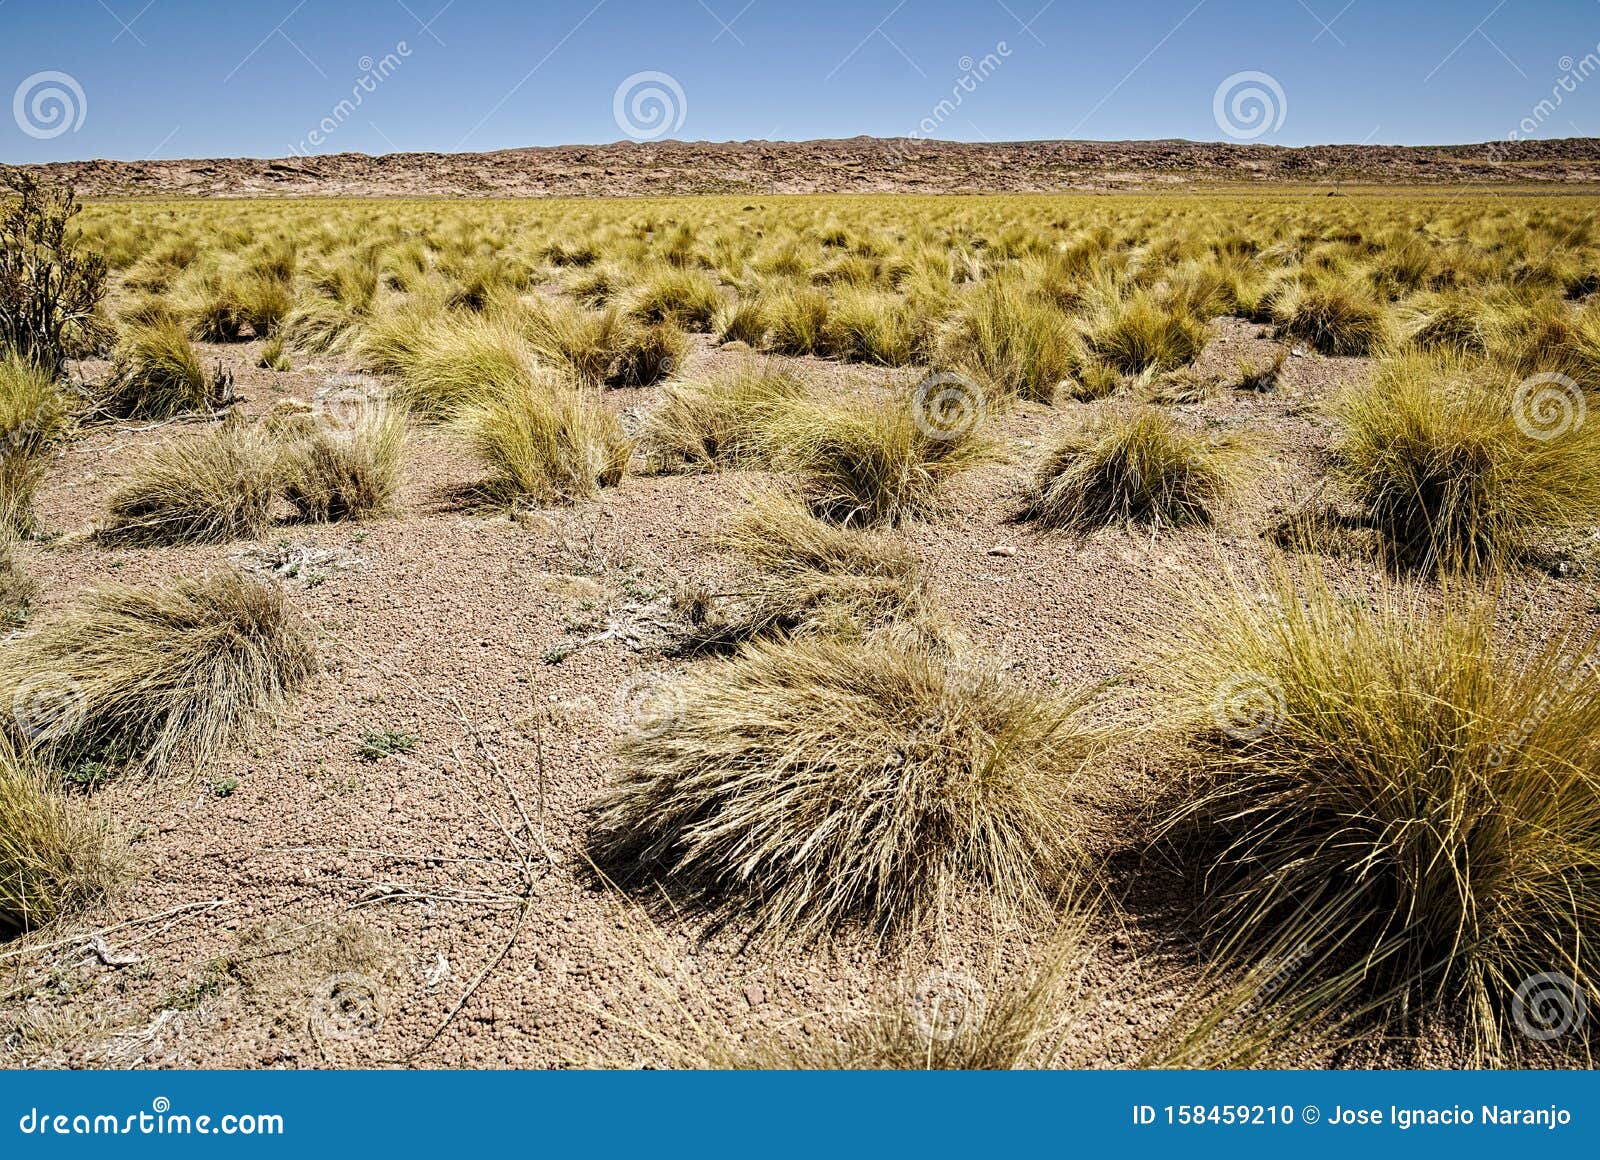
(182, 78)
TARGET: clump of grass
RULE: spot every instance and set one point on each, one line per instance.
(1094, 380)
(1392, 789)
(645, 355)
(273, 357)
(796, 319)
(742, 321)
(1259, 377)
(873, 460)
(1456, 470)
(353, 474)
(1142, 334)
(1335, 318)
(34, 415)
(54, 858)
(17, 588)
(459, 361)
(157, 677)
(818, 782)
(156, 373)
(546, 443)
(685, 298)
(1016, 342)
(206, 489)
(1140, 467)
(871, 326)
(720, 421)
(814, 578)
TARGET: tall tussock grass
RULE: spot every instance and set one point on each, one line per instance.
(54, 856)
(157, 677)
(1014, 341)
(349, 472)
(865, 460)
(1388, 785)
(814, 783)
(546, 442)
(205, 489)
(156, 373)
(1138, 467)
(35, 414)
(1332, 317)
(1458, 467)
(718, 421)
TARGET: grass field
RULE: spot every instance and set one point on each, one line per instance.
(1119, 630)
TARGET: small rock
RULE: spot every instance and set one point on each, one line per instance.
(1300, 351)
(755, 994)
(1002, 550)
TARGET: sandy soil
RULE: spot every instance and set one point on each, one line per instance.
(298, 906)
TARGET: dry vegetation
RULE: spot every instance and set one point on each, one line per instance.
(838, 761)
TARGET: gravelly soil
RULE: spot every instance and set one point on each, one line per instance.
(332, 910)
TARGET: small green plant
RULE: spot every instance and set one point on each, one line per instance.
(376, 744)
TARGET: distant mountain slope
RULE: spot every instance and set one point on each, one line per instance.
(856, 165)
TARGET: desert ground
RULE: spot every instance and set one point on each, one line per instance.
(397, 863)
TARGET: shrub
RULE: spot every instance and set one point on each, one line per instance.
(155, 374)
(53, 857)
(206, 489)
(157, 677)
(50, 285)
(1139, 467)
(873, 461)
(347, 474)
(1335, 318)
(1394, 791)
(817, 782)
(34, 415)
(547, 442)
(1020, 344)
(1444, 457)
(720, 421)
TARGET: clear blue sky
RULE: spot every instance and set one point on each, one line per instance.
(183, 78)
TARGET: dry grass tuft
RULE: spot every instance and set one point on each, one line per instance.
(720, 421)
(205, 489)
(819, 782)
(34, 416)
(1335, 318)
(155, 373)
(157, 678)
(1388, 784)
(874, 461)
(1140, 467)
(354, 474)
(1019, 344)
(1457, 469)
(54, 858)
(546, 443)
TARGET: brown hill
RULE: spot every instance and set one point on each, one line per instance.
(856, 165)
